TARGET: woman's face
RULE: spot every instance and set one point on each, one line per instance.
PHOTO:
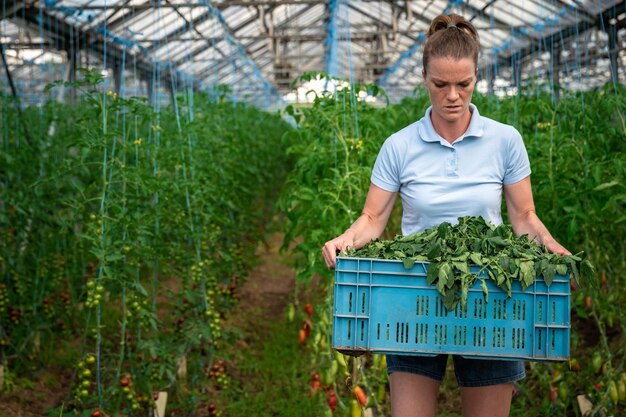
(450, 83)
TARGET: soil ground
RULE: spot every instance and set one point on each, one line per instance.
(267, 291)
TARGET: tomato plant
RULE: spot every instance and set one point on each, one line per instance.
(575, 146)
(126, 229)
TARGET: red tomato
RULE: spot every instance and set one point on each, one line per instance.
(332, 400)
(302, 336)
(315, 386)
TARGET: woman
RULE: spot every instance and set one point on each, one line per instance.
(451, 163)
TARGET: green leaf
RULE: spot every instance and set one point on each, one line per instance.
(504, 261)
(408, 263)
(476, 258)
(606, 185)
(527, 273)
(498, 241)
(432, 274)
(446, 275)
(140, 289)
(450, 300)
(451, 278)
(115, 257)
(465, 284)
(548, 274)
(483, 285)
(441, 286)
(462, 267)
(435, 250)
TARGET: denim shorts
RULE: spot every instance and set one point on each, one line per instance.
(469, 372)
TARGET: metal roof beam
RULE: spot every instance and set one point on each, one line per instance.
(185, 28)
(26, 45)
(58, 30)
(481, 12)
(220, 65)
(584, 13)
(201, 48)
(114, 23)
(249, 45)
(377, 20)
(563, 34)
(129, 14)
(406, 9)
(243, 52)
(175, 35)
(331, 60)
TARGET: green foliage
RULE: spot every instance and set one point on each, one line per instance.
(274, 379)
(128, 230)
(576, 148)
(495, 251)
(335, 148)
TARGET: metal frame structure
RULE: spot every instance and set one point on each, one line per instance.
(258, 48)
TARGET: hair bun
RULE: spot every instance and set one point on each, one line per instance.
(461, 43)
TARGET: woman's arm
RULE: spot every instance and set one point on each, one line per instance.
(368, 226)
(521, 209)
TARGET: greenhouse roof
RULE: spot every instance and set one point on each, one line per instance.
(258, 48)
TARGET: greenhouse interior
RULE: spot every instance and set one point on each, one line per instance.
(258, 208)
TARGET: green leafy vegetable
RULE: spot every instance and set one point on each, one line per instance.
(495, 250)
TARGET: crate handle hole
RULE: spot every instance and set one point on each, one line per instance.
(362, 330)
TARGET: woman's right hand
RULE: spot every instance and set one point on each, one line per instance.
(368, 226)
(335, 246)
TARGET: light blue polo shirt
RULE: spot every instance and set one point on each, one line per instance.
(439, 181)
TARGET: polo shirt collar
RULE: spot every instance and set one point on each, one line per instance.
(428, 134)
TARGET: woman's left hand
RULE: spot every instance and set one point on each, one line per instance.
(555, 247)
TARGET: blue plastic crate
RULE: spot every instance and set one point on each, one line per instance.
(382, 307)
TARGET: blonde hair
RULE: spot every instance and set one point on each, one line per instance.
(451, 36)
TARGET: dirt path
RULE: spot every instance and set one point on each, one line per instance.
(266, 291)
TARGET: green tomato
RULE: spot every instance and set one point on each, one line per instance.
(596, 361)
(621, 390)
(613, 394)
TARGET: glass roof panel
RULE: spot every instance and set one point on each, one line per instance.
(187, 35)
(210, 29)
(162, 22)
(596, 6)
(170, 50)
(79, 12)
